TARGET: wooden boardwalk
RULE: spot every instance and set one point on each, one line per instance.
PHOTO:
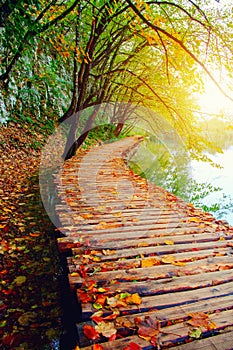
(150, 270)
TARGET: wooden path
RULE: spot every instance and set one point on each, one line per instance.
(150, 271)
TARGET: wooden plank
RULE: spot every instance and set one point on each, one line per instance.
(171, 285)
(212, 264)
(164, 301)
(160, 245)
(156, 251)
(75, 263)
(218, 342)
(171, 335)
(181, 312)
(76, 239)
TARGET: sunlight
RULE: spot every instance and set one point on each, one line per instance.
(212, 101)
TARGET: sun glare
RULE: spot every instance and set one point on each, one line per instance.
(212, 101)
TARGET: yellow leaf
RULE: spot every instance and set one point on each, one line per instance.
(108, 252)
(149, 262)
(194, 219)
(168, 259)
(20, 280)
(143, 244)
(169, 242)
(134, 299)
(73, 274)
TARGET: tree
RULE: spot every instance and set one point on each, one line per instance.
(146, 53)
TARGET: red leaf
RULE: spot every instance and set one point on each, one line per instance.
(97, 319)
(84, 297)
(110, 317)
(153, 341)
(113, 337)
(133, 346)
(90, 332)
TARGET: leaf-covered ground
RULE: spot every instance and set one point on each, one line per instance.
(30, 267)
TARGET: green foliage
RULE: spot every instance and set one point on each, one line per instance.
(74, 54)
(101, 133)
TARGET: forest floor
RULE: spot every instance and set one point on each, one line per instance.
(30, 266)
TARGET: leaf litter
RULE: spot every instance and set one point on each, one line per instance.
(30, 302)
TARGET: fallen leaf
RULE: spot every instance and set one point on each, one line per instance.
(142, 244)
(134, 299)
(149, 262)
(123, 322)
(112, 301)
(194, 219)
(168, 259)
(195, 333)
(97, 347)
(147, 327)
(90, 332)
(84, 297)
(97, 319)
(108, 252)
(200, 319)
(97, 306)
(106, 329)
(27, 318)
(179, 263)
(123, 295)
(101, 299)
(169, 242)
(20, 280)
(133, 346)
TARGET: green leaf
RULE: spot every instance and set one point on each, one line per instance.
(97, 306)
(195, 333)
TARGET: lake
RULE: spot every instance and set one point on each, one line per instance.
(195, 181)
(218, 177)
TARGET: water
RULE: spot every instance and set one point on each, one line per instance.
(217, 177)
(195, 181)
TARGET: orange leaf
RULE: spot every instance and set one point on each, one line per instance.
(134, 299)
(142, 244)
(179, 263)
(101, 299)
(194, 219)
(97, 347)
(149, 262)
(200, 319)
(147, 327)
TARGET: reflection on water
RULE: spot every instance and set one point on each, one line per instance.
(218, 177)
(195, 181)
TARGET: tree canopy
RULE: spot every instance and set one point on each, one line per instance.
(61, 57)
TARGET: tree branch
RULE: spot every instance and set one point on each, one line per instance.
(180, 43)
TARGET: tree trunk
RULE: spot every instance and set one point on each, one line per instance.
(118, 129)
(76, 143)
